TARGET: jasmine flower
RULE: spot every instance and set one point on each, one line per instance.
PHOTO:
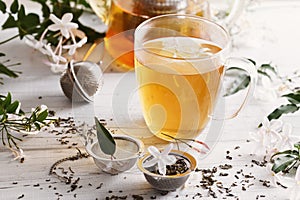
(64, 25)
(162, 159)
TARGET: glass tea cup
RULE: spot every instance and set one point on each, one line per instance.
(180, 62)
(122, 17)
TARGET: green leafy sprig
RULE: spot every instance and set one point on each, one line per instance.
(291, 107)
(13, 119)
(284, 161)
(32, 24)
(240, 80)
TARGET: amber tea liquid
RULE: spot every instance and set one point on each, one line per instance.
(177, 93)
(125, 16)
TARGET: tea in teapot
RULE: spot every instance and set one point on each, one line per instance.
(122, 17)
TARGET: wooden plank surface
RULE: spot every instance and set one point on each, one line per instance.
(31, 180)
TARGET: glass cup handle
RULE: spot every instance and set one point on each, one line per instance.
(248, 71)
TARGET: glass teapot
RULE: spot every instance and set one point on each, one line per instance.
(123, 16)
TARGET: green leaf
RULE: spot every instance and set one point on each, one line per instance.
(46, 10)
(1, 111)
(264, 73)
(283, 109)
(21, 12)
(37, 126)
(297, 146)
(12, 107)
(294, 98)
(33, 117)
(7, 72)
(105, 139)
(42, 116)
(7, 101)
(14, 6)
(265, 67)
(28, 24)
(9, 23)
(2, 6)
(252, 61)
(287, 152)
(30, 20)
(283, 163)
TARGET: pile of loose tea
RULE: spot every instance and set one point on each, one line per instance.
(179, 167)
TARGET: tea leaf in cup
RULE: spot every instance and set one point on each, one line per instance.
(106, 141)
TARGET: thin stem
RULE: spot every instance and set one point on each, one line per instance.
(9, 39)
(289, 168)
(2, 136)
(43, 35)
(14, 64)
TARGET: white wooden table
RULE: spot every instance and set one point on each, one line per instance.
(268, 34)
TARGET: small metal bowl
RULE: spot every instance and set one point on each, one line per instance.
(168, 182)
(128, 150)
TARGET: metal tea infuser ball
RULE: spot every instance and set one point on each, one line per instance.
(81, 81)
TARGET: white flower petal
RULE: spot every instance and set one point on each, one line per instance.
(272, 177)
(58, 68)
(67, 17)
(150, 163)
(72, 51)
(297, 176)
(257, 136)
(82, 42)
(54, 27)
(266, 122)
(65, 33)
(154, 151)
(55, 19)
(259, 149)
(162, 168)
(287, 129)
(276, 124)
(167, 150)
(169, 160)
(71, 25)
(43, 108)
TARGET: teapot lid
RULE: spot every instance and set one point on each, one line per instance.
(157, 7)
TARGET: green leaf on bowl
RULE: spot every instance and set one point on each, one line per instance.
(106, 141)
